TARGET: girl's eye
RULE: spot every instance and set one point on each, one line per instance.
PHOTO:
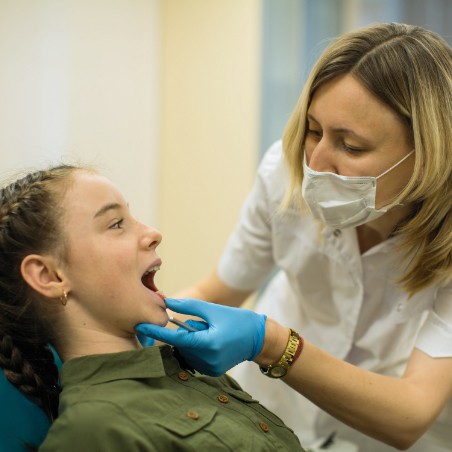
(117, 224)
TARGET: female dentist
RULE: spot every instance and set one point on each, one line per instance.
(354, 210)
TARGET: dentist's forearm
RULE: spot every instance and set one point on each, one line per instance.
(213, 289)
(395, 411)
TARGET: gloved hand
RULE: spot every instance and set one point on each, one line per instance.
(226, 338)
(145, 341)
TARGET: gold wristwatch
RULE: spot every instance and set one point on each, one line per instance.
(280, 368)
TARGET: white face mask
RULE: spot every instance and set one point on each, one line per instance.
(342, 201)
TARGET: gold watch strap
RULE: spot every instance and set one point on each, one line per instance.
(279, 369)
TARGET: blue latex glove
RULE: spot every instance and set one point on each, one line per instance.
(226, 338)
(145, 341)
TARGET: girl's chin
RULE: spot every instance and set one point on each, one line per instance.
(160, 319)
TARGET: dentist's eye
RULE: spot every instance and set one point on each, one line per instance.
(117, 224)
(351, 149)
(315, 133)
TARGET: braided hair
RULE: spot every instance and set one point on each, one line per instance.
(30, 217)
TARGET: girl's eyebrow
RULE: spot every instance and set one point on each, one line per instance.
(107, 207)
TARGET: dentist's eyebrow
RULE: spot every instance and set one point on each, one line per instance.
(311, 118)
(340, 129)
(104, 209)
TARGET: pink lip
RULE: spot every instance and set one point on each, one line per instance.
(161, 295)
(158, 262)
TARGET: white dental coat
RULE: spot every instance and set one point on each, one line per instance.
(343, 302)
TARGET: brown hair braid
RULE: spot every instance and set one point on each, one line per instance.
(30, 214)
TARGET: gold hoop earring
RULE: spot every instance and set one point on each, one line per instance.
(63, 298)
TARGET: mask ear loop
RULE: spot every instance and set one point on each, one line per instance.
(390, 206)
(395, 165)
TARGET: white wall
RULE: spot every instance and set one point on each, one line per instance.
(79, 81)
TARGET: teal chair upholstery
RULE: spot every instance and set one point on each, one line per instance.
(22, 422)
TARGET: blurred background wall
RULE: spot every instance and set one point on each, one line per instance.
(174, 100)
(79, 81)
(210, 129)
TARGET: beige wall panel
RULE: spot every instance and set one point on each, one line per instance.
(209, 139)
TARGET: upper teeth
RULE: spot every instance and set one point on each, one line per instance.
(152, 269)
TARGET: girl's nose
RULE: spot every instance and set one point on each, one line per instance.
(151, 238)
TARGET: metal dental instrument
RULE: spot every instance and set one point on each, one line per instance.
(182, 324)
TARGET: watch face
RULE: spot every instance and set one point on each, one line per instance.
(278, 372)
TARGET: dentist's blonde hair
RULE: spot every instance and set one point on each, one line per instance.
(409, 69)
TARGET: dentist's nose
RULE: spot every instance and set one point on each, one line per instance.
(321, 158)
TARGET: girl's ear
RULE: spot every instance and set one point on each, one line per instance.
(40, 273)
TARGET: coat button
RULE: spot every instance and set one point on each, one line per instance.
(264, 427)
(193, 415)
(183, 376)
(337, 233)
(223, 398)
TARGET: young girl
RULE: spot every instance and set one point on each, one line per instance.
(77, 271)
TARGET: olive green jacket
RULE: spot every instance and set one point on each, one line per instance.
(144, 401)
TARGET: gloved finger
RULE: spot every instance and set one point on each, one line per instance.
(190, 306)
(160, 333)
(145, 340)
(197, 325)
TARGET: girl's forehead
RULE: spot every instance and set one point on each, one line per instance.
(90, 190)
(86, 180)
